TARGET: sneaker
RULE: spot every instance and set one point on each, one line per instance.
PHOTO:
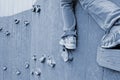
(69, 42)
(112, 39)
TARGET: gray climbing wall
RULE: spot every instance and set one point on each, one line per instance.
(22, 46)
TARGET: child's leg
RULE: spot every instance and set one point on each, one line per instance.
(68, 38)
(68, 17)
(105, 13)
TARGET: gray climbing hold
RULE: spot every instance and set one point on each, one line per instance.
(34, 8)
(66, 55)
(7, 33)
(37, 73)
(27, 65)
(17, 21)
(51, 62)
(42, 59)
(18, 72)
(38, 9)
(34, 57)
(4, 68)
(26, 23)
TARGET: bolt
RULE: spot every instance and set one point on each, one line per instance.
(34, 57)
(42, 59)
(27, 65)
(4, 68)
(7, 33)
(18, 72)
(26, 23)
(17, 21)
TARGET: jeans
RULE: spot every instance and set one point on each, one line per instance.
(104, 12)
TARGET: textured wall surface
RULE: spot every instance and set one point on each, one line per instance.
(26, 45)
(12, 7)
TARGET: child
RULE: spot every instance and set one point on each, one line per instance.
(104, 12)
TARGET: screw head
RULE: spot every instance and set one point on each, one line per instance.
(4, 68)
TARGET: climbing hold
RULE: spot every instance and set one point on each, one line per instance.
(38, 9)
(1, 28)
(38, 73)
(4, 68)
(66, 55)
(7, 33)
(34, 57)
(42, 59)
(17, 21)
(51, 62)
(18, 72)
(26, 23)
(27, 65)
(32, 73)
(34, 8)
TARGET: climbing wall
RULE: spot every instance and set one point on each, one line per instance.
(30, 50)
(15, 47)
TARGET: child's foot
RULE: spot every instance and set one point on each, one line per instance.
(112, 39)
(69, 42)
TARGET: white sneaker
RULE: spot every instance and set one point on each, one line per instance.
(69, 42)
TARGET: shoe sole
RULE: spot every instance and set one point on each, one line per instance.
(70, 46)
(112, 45)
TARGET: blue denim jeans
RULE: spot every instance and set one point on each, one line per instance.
(104, 12)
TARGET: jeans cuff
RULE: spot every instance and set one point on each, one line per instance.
(69, 33)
